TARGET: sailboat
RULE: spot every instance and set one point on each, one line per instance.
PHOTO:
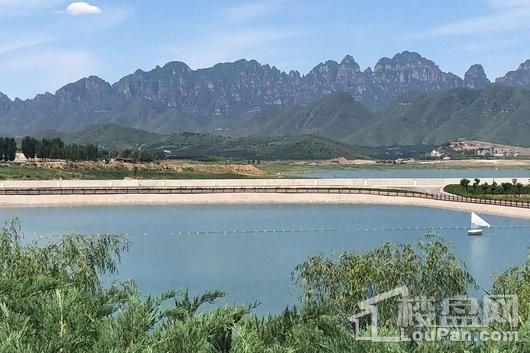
(477, 224)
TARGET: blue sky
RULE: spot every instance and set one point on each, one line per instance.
(45, 44)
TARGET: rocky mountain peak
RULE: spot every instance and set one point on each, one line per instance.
(517, 78)
(5, 102)
(326, 71)
(476, 78)
(87, 86)
(81, 96)
(4, 98)
(349, 62)
(408, 56)
(525, 66)
(412, 71)
(44, 98)
(175, 67)
(402, 60)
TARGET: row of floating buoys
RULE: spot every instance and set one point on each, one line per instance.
(298, 230)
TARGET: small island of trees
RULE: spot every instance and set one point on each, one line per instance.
(479, 189)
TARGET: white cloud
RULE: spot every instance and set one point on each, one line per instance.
(82, 8)
(506, 15)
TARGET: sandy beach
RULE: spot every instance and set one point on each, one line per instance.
(251, 198)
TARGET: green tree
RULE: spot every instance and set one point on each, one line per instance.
(494, 188)
(519, 188)
(29, 147)
(8, 149)
(464, 183)
(485, 186)
(516, 281)
(426, 268)
(476, 183)
(506, 187)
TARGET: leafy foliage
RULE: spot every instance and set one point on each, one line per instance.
(8, 149)
(513, 190)
(427, 268)
(516, 281)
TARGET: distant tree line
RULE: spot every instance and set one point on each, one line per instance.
(56, 149)
(137, 155)
(8, 149)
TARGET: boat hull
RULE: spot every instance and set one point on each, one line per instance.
(474, 232)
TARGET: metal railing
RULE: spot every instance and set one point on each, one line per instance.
(255, 189)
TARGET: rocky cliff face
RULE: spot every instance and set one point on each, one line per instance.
(5, 102)
(391, 78)
(229, 91)
(229, 88)
(407, 72)
(517, 78)
(476, 78)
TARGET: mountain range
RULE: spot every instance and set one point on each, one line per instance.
(406, 99)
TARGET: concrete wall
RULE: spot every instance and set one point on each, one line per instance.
(416, 183)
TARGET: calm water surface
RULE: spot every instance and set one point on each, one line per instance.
(258, 267)
(366, 173)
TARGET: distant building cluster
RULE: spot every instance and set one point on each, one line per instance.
(479, 148)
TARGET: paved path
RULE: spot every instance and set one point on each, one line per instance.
(406, 183)
(420, 192)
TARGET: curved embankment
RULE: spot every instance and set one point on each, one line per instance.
(321, 191)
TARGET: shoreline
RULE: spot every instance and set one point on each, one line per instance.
(24, 201)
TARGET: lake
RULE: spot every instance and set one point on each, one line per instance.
(257, 267)
(368, 173)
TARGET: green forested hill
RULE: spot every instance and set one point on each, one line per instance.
(409, 120)
(497, 114)
(334, 116)
(192, 145)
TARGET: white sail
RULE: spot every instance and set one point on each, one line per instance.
(477, 222)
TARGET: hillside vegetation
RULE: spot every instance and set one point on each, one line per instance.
(496, 114)
(335, 116)
(198, 146)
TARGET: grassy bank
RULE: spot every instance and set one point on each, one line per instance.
(20, 172)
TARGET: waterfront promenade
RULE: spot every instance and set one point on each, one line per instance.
(412, 192)
(406, 183)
